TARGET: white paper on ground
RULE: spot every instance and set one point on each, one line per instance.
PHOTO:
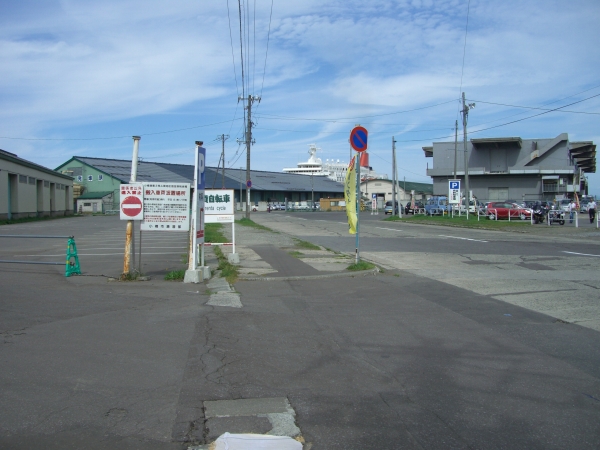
(229, 441)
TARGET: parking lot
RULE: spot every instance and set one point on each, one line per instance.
(100, 242)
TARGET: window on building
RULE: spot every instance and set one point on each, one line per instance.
(75, 171)
(90, 178)
(46, 184)
(80, 178)
(550, 186)
(87, 204)
(22, 179)
(31, 180)
(101, 177)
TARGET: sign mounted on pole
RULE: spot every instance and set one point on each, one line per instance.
(218, 202)
(358, 138)
(132, 201)
(454, 191)
(166, 207)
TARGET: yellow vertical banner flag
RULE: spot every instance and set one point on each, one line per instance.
(350, 197)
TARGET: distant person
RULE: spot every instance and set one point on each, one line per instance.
(592, 210)
(572, 209)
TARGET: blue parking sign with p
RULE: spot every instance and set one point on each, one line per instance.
(454, 184)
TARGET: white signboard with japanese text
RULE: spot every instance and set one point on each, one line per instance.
(219, 206)
(454, 191)
(132, 199)
(166, 207)
(218, 202)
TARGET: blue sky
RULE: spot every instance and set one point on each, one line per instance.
(82, 77)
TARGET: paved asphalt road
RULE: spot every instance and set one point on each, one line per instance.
(458, 344)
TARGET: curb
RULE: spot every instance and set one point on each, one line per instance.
(361, 273)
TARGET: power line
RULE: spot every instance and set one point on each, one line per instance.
(254, 48)
(533, 107)
(535, 115)
(113, 137)
(345, 132)
(358, 117)
(241, 49)
(267, 51)
(237, 89)
(462, 70)
(543, 104)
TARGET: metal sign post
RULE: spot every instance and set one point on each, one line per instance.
(454, 195)
(357, 208)
(358, 141)
(131, 212)
(196, 274)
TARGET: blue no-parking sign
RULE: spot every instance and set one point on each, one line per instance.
(358, 138)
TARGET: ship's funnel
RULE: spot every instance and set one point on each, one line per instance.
(364, 159)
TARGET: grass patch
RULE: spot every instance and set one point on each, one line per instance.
(175, 275)
(213, 233)
(132, 276)
(296, 253)
(462, 221)
(250, 223)
(306, 245)
(228, 270)
(362, 265)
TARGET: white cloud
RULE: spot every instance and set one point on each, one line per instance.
(116, 68)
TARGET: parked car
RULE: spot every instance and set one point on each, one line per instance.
(436, 205)
(388, 208)
(409, 210)
(564, 204)
(504, 210)
(472, 207)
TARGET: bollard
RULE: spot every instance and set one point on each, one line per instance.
(72, 265)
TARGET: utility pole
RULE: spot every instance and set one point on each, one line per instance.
(248, 141)
(393, 175)
(465, 113)
(455, 146)
(222, 138)
(129, 232)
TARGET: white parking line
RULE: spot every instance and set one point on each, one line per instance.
(582, 254)
(391, 229)
(462, 238)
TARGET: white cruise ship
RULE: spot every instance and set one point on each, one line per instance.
(334, 170)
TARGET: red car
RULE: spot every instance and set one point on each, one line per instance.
(502, 210)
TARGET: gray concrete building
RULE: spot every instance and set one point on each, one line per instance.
(515, 168)
(405, 191)
(30, 190)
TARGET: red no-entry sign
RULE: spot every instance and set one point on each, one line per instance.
(132, 207)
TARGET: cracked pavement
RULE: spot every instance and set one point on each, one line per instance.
(439, 351)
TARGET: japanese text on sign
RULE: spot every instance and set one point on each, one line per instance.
(218, 201)
(166, 206)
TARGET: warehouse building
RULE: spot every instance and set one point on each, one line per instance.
(30, 190)
(95, 176)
